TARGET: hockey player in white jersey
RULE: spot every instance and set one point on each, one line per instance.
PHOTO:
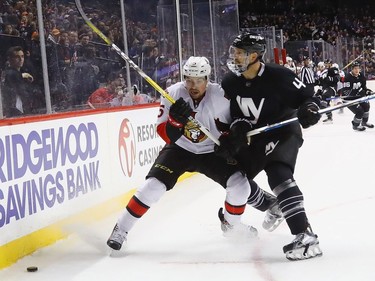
(290, 64)
(188, 149)
(319, 69)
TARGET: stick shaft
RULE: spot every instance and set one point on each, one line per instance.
(350, 63)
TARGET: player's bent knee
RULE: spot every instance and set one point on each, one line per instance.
(151, 191)
(238, 188)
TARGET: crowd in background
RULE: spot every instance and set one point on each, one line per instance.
(307, 19)
(79, 63)
(332, 21)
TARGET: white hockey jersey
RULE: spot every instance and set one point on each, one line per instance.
(212, 108)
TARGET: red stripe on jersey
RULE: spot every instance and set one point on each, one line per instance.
(162, 131)
(136, 208)
(235, 210)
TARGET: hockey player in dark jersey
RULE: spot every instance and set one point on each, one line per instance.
(262, 94)
(355, 87)
(188, 149)
(328, 81)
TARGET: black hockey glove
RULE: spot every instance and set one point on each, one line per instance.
(239, 129)
(226, 148)
(369, 92)
(180, 111)
(308, 114)
(232, 142)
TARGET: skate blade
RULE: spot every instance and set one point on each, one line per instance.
(303, 254)
(116, 253)
(274, 225)
(241, 233)
(110, 252)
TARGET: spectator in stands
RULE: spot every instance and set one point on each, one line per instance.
(139, 98)
(103, 96)
(60, 96)
(25, 28)
(85, 78)
(8, 29)
(84, 40)
(15, 94)
(70, 59)
(54, 36)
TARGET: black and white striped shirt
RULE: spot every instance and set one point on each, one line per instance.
(307, 76)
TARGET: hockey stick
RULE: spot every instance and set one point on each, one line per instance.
(91, 105)
(322, 111)
(357, 58)
(350, 63)
(140, 71)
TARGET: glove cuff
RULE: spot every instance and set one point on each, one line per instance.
(174, 123)
(247, 121)
(315, 104)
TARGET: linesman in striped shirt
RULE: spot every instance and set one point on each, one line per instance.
(307, 75)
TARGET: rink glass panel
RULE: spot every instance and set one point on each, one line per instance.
(207, 29)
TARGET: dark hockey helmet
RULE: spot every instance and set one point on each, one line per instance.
(305, 57)
(328, 62)
(251, 42)
(355, 64)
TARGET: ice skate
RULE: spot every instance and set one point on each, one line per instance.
(328, 120)
(274, 217)
(117, 238)
(239, 230)
(368, 125)
(304, 246)
(358, 127)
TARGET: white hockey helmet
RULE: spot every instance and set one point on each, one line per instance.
(321, 64)
(335, 65)
(197, 67)
(289, 59)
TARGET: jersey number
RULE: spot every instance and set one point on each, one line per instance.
(298, 83)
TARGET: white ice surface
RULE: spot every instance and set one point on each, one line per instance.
(180, 238)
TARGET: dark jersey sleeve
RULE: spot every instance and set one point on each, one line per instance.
(363, 82)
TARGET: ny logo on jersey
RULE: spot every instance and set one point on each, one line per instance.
(270, 147)
(356, 85)
(249, 109)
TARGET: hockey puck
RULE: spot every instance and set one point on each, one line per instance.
(32, 269)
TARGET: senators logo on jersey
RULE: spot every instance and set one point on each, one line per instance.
(192, 132)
